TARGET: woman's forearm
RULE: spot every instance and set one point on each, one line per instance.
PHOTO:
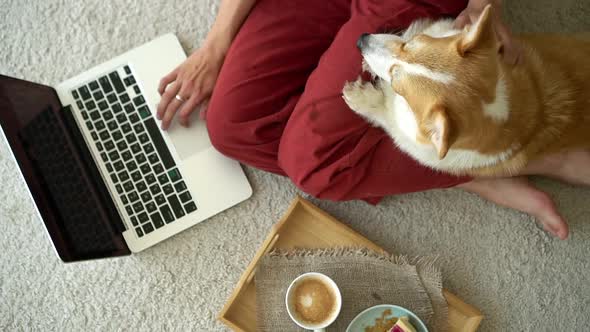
(230, 17)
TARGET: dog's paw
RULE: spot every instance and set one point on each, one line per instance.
(352, 94)
(363, 97)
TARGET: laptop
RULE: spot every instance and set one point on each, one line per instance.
(105, 179)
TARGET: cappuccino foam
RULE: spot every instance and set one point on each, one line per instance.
(314, 301)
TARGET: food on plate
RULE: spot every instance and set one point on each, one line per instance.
(403, 325)
(382, 323)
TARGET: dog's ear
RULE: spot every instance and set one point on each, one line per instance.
(480, 34)
(438, 128)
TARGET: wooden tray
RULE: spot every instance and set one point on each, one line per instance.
(306, 226)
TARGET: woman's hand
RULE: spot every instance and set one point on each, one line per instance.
(510, 47)
(190, 84)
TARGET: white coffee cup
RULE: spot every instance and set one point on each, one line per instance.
(290, 302)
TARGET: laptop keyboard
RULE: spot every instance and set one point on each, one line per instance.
(134, 153)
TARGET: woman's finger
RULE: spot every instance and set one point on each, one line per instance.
(196, 96)
(171, 77)
(166, 98)
(188, 108)
(510, 48)
(181, 97)
(462, 20)
(203, 109)
(169, 113)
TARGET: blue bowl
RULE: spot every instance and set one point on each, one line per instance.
(368, 317)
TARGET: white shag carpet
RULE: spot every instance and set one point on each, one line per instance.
(494, 258)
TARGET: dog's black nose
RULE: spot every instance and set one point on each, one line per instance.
(361, 41)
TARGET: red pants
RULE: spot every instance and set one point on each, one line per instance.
(278, 101)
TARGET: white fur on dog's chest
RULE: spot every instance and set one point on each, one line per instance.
(403, 128)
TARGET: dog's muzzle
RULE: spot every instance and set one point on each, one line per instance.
(362, 41)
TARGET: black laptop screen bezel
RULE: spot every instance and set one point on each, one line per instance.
(47, 97)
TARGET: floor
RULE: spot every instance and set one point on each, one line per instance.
(496, 259)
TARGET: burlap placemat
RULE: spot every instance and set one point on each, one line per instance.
(365, 279)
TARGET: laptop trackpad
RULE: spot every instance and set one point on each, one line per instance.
(191, 140)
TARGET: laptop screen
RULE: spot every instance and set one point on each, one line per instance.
(67, 188)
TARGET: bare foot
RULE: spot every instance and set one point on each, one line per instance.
(518, 193)
(572, 167)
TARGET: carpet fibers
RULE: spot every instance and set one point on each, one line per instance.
(496, 259)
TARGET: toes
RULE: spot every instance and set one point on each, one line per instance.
(547, 214)
(560, 231)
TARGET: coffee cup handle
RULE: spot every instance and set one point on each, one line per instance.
(319, 330)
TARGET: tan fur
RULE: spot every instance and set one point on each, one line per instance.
(548, 93)
(549, 100)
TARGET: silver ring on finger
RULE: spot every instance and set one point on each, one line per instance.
(179, 98)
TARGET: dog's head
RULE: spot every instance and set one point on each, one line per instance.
(449, 77)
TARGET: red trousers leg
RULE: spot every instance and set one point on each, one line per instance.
(325, 148)
(329, 151)
(264, 74)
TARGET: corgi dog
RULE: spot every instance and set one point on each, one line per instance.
(448, 99)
